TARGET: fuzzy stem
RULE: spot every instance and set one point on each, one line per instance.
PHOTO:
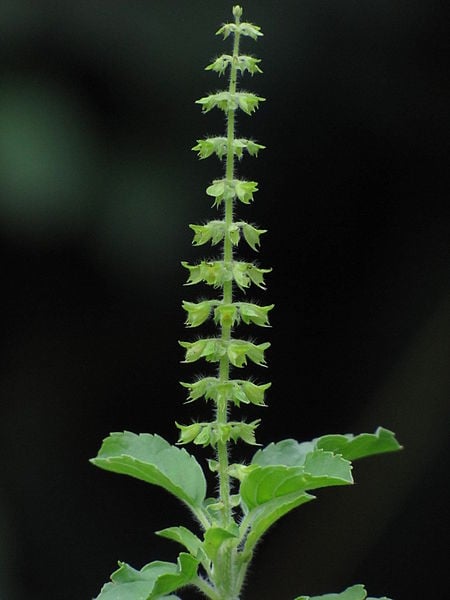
(224, 366)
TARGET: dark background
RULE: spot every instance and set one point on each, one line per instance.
(97, 187)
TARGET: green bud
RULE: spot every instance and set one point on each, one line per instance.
(237, 11)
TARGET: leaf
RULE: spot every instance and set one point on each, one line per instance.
(153, 581)
(292, 453)
(152, 459)
(259, 519)
(215, 537)
(356, 592)
(186, 572)
(321, 469)
(129, 584)
(183, 536)
(289, 453)
(366, 444)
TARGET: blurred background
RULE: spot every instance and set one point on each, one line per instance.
(97, 187)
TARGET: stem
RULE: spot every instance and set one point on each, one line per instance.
(224, 365)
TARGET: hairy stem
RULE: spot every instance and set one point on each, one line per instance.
(224, 366)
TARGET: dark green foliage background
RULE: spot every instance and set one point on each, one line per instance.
(97, 187)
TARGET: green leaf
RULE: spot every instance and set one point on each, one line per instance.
(154, 581)
(259, 519)
(129, 584)
(366, 444)
(356, 592)
(292, 453)
(185, 573)
(183, 536)
(152, 459)
(321, 469)
(289, 453)
(215, 538)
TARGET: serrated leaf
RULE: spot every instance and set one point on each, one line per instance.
(152, 459)
(292, 453)
(289, 453)
(185, 573)
(356, 592)
(359, 446)
(262, 517)
(128, 583)
(183, 536)
(321, 469)
(215, 537)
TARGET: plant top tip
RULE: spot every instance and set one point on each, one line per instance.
(237, 11)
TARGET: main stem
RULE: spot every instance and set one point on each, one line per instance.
(224, 365)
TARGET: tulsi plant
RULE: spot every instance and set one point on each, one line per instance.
(278, 478)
